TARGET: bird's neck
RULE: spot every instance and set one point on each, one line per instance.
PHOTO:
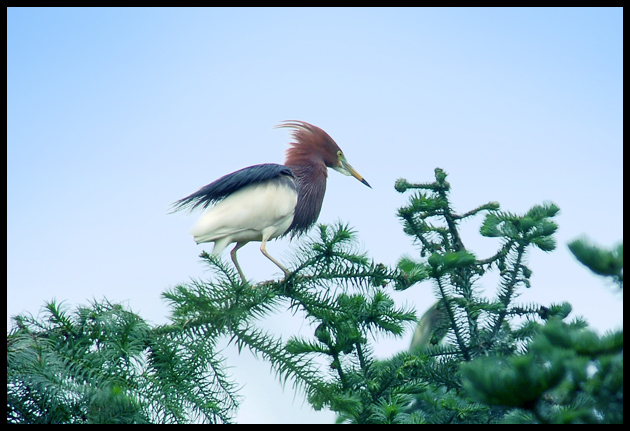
(311, 189)
(308, 171)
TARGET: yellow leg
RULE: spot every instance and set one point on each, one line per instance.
(233, 256)
(264, 251)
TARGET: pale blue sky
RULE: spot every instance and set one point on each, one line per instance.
(115, 113)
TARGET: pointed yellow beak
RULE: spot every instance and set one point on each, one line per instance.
(347, 169)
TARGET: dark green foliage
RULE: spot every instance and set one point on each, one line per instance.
(505, 361)
(478, 356)
(477, 324)
(608, 263)
(568, 375)
(342, 294)
(104, 364)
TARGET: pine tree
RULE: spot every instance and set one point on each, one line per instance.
(474, 358)
(104, 364)
(500, 360)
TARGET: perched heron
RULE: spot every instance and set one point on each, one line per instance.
(264, 202)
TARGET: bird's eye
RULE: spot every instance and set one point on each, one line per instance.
(339, 154)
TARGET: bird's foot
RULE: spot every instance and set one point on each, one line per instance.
(269, 283)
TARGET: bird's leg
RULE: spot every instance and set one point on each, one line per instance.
(264, 251)
(233, 256)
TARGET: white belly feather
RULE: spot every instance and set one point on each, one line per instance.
(254, 213)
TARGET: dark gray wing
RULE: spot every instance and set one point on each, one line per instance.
(228, 184)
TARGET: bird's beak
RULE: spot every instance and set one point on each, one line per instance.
(346, 169)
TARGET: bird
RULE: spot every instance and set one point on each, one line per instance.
(431, 328)
(267, 201)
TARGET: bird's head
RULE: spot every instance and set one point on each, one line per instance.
(314, 146)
